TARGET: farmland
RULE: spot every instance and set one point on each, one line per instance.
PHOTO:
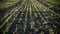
(28, 17)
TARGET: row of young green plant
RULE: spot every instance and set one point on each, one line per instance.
(24, 17)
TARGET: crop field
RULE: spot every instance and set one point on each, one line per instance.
(29, 17)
